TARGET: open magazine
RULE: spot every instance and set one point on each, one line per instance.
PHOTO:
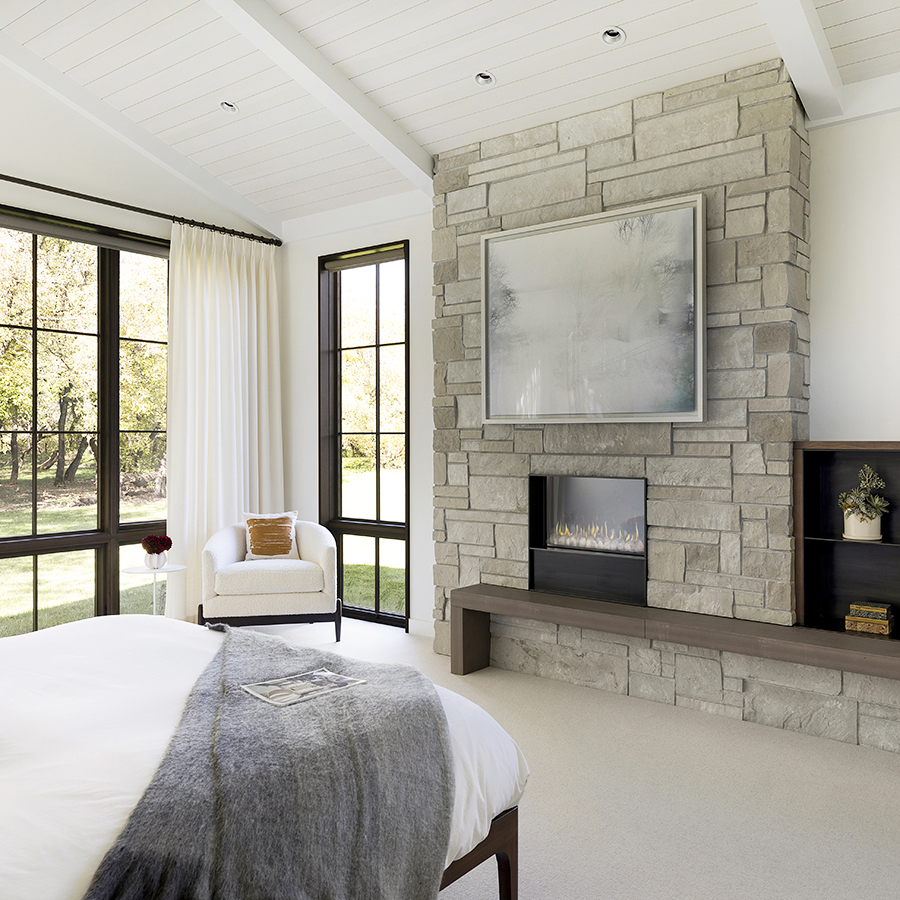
(294, 688)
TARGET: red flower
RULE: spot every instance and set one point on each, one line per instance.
(156, 543)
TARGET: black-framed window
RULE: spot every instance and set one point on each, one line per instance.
(364, 433)
(83, 332)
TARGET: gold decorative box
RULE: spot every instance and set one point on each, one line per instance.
(869, 626)
(870, 610)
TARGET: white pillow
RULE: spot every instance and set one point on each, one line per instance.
(271, 535)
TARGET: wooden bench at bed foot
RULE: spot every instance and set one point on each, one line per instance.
(503, 842)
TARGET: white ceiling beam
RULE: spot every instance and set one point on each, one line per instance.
(46, 76)
(801, 41)
(295, 56)
(863, 99)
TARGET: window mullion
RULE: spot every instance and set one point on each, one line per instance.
(378, 435)
(34, 593)
(34, 395)
(108, 430)
(330, 426)
(377, 576)
(377, 406)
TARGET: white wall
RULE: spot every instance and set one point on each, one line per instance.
(407, 217)
(855, 288)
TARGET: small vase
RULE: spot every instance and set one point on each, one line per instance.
(857, 529)
(155, 560)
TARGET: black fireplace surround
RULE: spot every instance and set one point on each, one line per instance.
(587, 537)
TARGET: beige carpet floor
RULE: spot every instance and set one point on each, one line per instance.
(633, 800)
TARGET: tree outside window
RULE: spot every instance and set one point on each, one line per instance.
(82, 424)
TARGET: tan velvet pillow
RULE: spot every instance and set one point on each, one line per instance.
(271, 535)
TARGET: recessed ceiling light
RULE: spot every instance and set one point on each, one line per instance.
(484, 79)
(613, 36)
(229, 107)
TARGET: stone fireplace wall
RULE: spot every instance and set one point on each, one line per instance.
(719, 524)
(719, 493)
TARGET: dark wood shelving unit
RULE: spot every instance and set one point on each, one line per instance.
(831, 572)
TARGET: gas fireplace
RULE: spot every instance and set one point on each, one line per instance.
(587, 537)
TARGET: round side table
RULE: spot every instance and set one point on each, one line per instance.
(138, 570)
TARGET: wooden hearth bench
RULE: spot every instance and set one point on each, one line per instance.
(470, 631)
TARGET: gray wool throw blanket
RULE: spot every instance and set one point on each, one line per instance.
(345, 796)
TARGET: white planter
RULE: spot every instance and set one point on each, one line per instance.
(857, 529)
(155, 560)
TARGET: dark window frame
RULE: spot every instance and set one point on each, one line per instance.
(110, 534)
(330, 470)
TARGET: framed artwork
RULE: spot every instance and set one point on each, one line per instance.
(597, 319)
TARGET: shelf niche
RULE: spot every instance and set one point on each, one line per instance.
(830, 571)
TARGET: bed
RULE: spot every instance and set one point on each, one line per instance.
(87, 711)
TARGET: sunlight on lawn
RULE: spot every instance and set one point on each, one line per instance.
(65, 584)
(148, 511)
(358, 495)
(359, 552)
(66, 589)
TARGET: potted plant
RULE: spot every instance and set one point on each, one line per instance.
(863, 508)
(155, 546)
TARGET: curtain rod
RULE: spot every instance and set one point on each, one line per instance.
(139, 209)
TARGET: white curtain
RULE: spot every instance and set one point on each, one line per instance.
(224, 401)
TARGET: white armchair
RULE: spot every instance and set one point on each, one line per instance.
(270, 591)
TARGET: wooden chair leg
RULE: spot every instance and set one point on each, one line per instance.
(508, 874)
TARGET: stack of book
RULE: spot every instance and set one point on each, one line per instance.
(871, 618)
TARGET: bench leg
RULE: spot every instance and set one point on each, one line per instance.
(470, 640)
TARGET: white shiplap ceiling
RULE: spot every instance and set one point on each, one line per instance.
(864, 36)
(345, 101)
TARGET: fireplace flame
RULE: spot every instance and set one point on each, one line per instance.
(597, 537)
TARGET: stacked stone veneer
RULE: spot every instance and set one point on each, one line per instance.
(843, 706)
(719, 492)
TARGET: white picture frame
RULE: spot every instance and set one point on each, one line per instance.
(597, 319)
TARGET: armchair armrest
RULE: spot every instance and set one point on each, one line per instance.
(316, 544)
(224, 548)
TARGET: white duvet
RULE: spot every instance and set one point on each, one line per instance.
(86, 713)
